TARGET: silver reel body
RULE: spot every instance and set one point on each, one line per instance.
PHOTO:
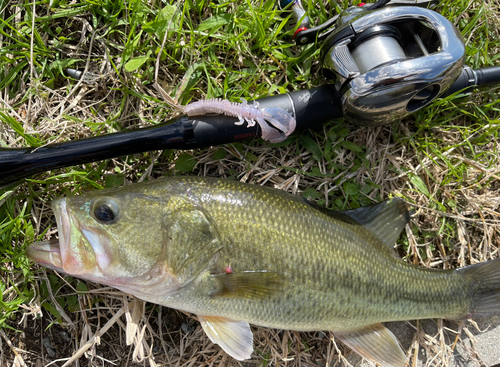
(392, 61)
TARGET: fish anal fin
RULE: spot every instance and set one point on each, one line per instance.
(235, 337)
(255, 285)
(375, 343)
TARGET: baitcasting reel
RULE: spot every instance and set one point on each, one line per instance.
(390, 62)
(387, 59)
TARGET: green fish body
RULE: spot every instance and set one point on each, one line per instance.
(236, 254)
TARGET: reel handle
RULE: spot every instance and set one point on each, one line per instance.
(298, 18)
(305, 35)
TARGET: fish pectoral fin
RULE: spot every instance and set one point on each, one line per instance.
(375, 343)
(255, 285)
(235, 337)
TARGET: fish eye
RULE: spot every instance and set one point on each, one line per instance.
(106, 211)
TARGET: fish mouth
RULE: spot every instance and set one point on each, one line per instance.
(72, 254)
(46, 253)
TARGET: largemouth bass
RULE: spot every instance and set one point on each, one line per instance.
(236, 254)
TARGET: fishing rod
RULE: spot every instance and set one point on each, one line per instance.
(386, 60)
(316, 105)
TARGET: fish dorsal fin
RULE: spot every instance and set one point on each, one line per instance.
(255, 285)
(375, 343)
(385, 220)
(235, 337)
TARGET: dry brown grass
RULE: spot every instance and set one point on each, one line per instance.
(109, 328)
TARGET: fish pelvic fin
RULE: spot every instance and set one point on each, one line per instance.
(235, 337)
(375, 343)
(484, 283)
(385, 220)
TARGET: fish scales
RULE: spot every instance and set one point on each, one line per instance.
(267, 231)
(235, 254)
(285, 253)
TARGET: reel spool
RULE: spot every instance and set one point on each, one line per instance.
(392, 61)
(377, 46)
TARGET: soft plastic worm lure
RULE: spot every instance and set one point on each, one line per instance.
(282, 121)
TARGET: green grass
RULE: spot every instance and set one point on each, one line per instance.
(444, 159)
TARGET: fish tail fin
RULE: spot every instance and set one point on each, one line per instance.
(485, 284)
